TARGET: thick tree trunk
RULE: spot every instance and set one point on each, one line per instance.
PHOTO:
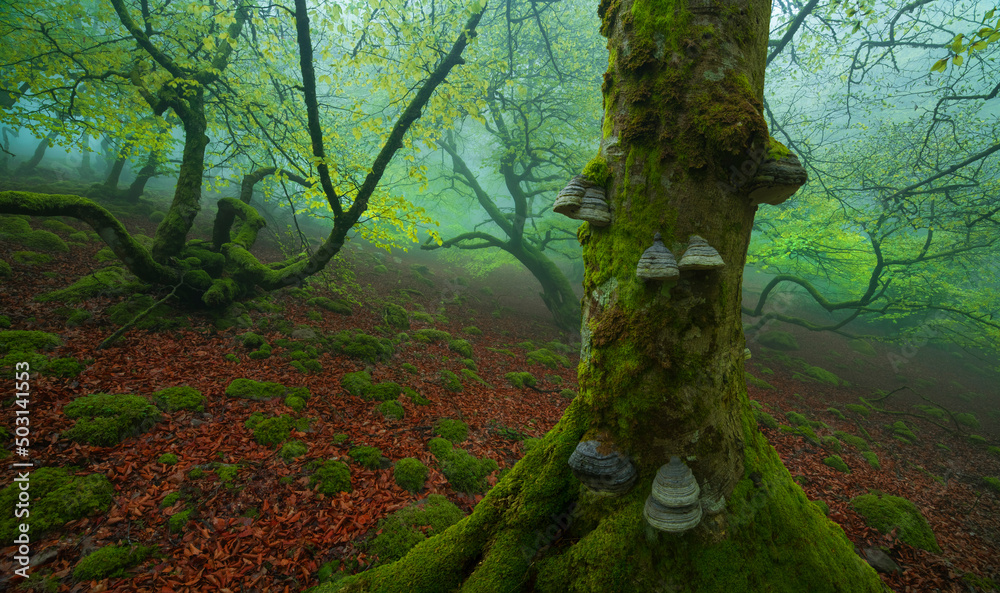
(114, 175)
(557, 293)
(661, 371)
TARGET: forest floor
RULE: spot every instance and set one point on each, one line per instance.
(264, 527)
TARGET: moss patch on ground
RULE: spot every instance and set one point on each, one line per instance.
(255, 390)
(410, 474)
(409, 526)
(181, 397)
(57, 497)
(110, 561)
(331, 477)
(887, 512)
(455, 431)
(104, 420)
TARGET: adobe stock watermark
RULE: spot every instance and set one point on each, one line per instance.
(22, 441)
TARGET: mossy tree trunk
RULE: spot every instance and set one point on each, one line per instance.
(661, 370)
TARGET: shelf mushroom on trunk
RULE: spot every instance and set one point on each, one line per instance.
(779, 176)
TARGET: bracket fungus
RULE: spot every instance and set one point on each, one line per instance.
(594, 208)
(657, 263)
(571, 197)
(776, 180)
(699, 255)
(610, 473)
(673, 505)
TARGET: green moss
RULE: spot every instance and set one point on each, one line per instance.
(837, 463)
(295, 403)
(521, 379)
(396, 316)
(597, 170)
(872, 459)
(759, 383)
(796, 419)
(407, 527)
(356, 383)
(472, 376)
(382, 392)
(58, 226)
(415, 397)
(450, 381)
(232, 357)
(110, 561)
(177, 521)
(889, 512)
(27, 341)
(43, 241)
(821, 375)
(765, 419)
(831, 443)
(380, 269)
(332, 477)
(250, 340)
(340, 438)
(167, 459)
(369, 457)
(358, 344)
(409, 368)
(548, 358)
(170, 499)
(5, 272)
(110, 281)
(858, 409)
(976, 439)
(337, 306)
(778, 340)
(465, 472)
(568, 393)
(56, 498)
(181, 397)
(966, 419)
(261, 353)
(64, 367)
(992, 483)
(439, 447)
(852, 440)
(430, 336)
(196, 473)
(105, 420)
(837, 413)
(902, 432)
(463, 347)
(13, 225)
(392, 409)
(292, 449)
(255, 390)
(993, 450)
(410, 474)
(472, 331)
(455, 431)
(31, 258)
(422, 317)
(272, 431)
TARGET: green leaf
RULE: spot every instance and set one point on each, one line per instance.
(940, 65)
(957, 60)
(956, 45)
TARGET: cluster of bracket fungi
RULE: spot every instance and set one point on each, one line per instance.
(776, 180)
(658, 263)
(582, 199)
(673, 506)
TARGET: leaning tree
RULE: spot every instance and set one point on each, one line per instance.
(662, 404)
(183, 62)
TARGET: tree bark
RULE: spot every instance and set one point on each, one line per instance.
(661, 370)
(29, 165)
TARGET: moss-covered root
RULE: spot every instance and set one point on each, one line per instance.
(769, 538)
(485, 552)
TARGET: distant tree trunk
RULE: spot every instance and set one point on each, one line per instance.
(114, 174)
(147, 172)
(86, 171)
(29, 165)
(661, 372)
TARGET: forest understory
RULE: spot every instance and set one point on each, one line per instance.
(216, 510)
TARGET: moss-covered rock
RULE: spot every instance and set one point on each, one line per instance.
(153, 316)
(271, 431)
(862, 347)
(392, 410)
(888, 512)
(167, 459)
(369, 457)
(546, 357)
(396, 316)
(31, 258)
(410, 474)
(837, 463)
(13, 225)
(409, 368)
(27, 341)
(439, 447)
(58, 226)
(462, 347)
(837, 413)
(858, 409)
(450, 381)
(295, 403)
(110, 281)
(358, 344)
(356, 383)
(43, 241)
(181, 397)
(521, 379)
(778, 340)
(415, 397)
(177, 521)
(337, 306)
(902, 432)
(110, 561)
(872, 459)
(465, 472)
(382, 392)
(255, 390)
(967, 419)
(293, 449)
(57, 497)
(472, 331)
(455, 431)
(430, 336)
(331, 477)
(251, 340)
(407, 527)
(65, 367)
(104, 420)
